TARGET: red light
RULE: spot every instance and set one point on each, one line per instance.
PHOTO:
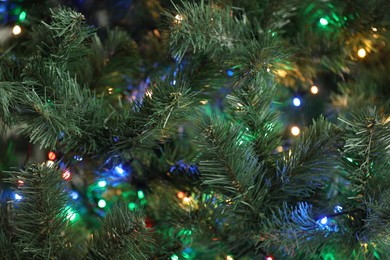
(66, 175)
(180, 194)
(52, 156)
(269, 258)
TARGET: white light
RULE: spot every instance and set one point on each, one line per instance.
(296, 102)
(18, 197)
(118, 169)
(314, 90)
(362, 53)
(102, 184)
(324, 220)
(102, 203)
(295, 130)
(16, 30)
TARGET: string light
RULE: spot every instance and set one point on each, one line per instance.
(141, 194)
(314, 90)
(22, 16)
(229, 73)
(269, 258)
(119, 170)
(102, 203)
(324, 22)
(324, 220)
(180, 194)
(279, 149)
(362, 53)
(132, 206)
(49, 163)
(338, 209)
(18, 197)
(178, 18)
(66, 175)
(229, 257)
(295, 130)
(174, 257)
(102, 184)
(52, 156)
(74, 195)
(296, 102)
(20, 183)
(16, 30)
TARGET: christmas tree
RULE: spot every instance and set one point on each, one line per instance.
(195, 130)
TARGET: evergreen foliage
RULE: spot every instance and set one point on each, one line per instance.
(254, 200)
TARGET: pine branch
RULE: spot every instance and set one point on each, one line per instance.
(203, 28)
(311, 162)
(250, 105)
(122, 236)
(39, 218)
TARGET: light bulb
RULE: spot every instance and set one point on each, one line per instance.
(314, 90)
(295, 130)
(296, 102)
(362, 53)
(16, 30)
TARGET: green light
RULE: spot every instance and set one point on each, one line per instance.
(102, 203)
(185, 255)
(102, 184)
(349, 159)
(132, 206)
(22, 16)
(70, 214)
(141, 194)
(323, 21)
(174, 257)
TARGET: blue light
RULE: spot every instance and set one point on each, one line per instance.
(324, 220)
(338, 209)
(229, 73)
(78, 158)
(119, 169)
(296, 102)
(74, 195)
(18, 197)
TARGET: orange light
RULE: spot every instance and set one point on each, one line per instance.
(180, 194)
(66, 175)
(52, 156)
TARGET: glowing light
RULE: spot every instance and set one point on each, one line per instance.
(119, 169)
(102, 184)
(78, 158)
(110, 90)
(132, 206)
(269, 258)
(174, 257)
(20, 183)
(324, 22)
(279, 149)
(180, 195)
(362, 53)
(296, 102)
(178, 18)
(186, 200)
(295, 130)
(229, 73)
(282, 73)
(102, 203)
(374, 29)
(18, 197)
(314, 90)
(141, 194)
(52, 156)
(324, 220)
(229, 257)
(66, 175)
(70, 214)
(74, 195)
(16, 30)
(49, 163)
(204, 102)
(22, 16)
(338, 209)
